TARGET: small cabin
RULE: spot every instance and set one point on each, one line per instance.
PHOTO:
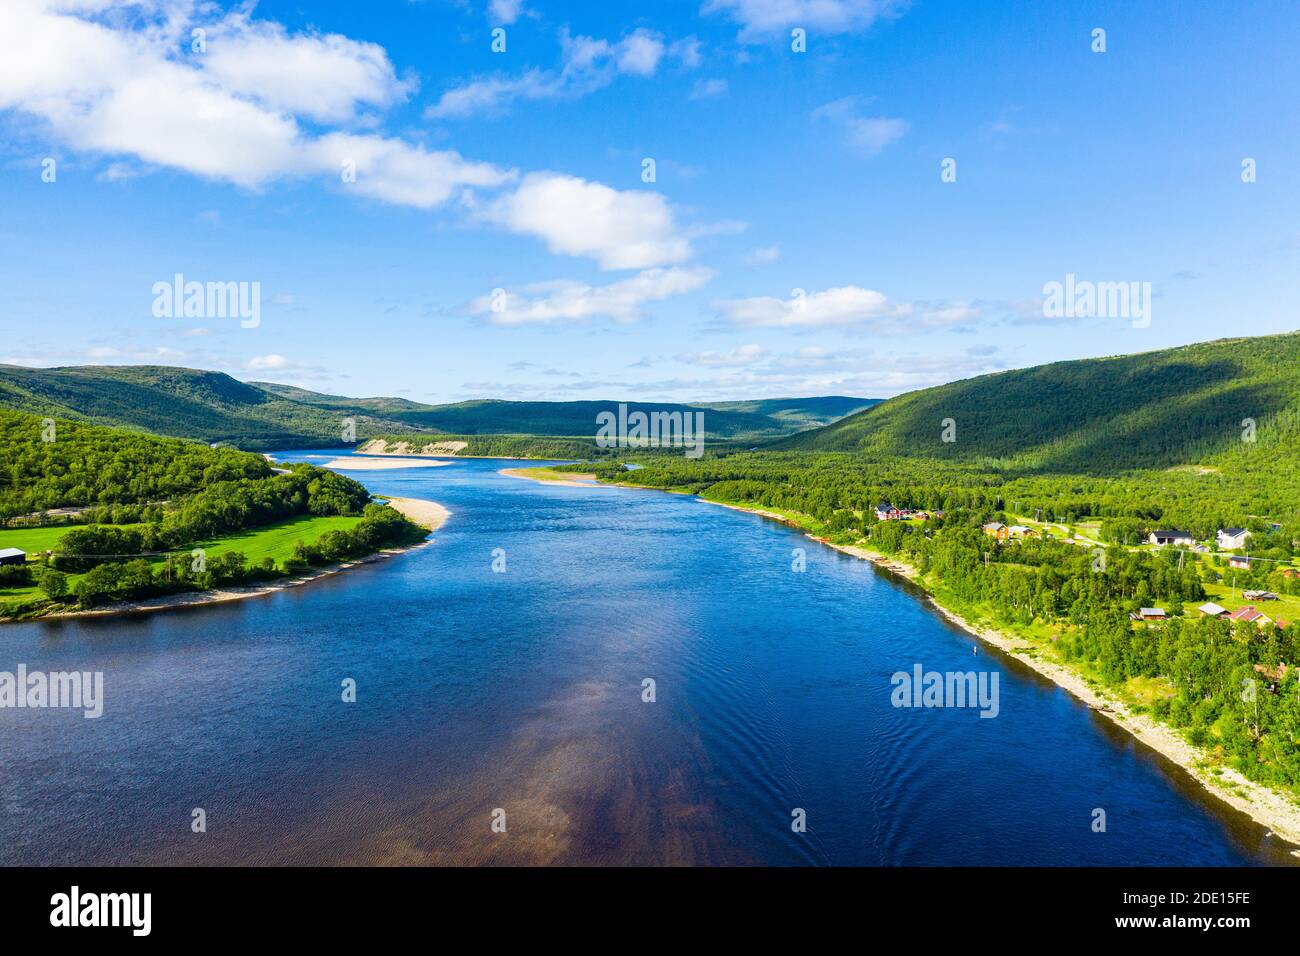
(1179, 539)
(1240, 562)
(1210, 609)
(1149, 614)
(12, 556)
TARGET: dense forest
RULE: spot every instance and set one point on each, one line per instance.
(135, 497)
(70, 464)
(1178, 406)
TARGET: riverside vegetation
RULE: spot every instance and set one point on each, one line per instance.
(146, 516)
(1095, 456)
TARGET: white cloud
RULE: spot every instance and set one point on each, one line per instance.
(849, 305)
(397, 172)
(868, 134)
(764, 255)
(570, 301)
(640, 53)
(763, 18)
(263, 362)
(587, 64)
(127, 86)
(735, 358)
(504, 12)
(321, 77)
(577, 217)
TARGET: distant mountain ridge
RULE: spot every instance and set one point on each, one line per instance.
(214, 407)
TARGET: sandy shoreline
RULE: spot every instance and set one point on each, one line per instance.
(428, 514)
(361, 463)
(1265, 806)
(579, 479)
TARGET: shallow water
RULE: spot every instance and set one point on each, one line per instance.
(522, 690)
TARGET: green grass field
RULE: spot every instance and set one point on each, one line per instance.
(1287, 606)
(273, 541)
(276, 541)
(33, 540)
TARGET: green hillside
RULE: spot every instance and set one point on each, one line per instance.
(213, 407)
(178, 402)
(798, 413)
(1181, 406)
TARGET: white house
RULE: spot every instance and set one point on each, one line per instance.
(1231, 539)
(1179, 539)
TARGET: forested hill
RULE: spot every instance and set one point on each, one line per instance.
(180, 402)
(213, 407)
(1181, 406)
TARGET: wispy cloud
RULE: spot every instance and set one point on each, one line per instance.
(587, 64)
(761, 19)
(846, 307)
(735, 358)
(763, 255)
(571, 301)
(708, 89)
(869, 135)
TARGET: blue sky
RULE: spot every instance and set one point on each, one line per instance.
(515, 180)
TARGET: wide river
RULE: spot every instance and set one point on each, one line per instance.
(521, 690)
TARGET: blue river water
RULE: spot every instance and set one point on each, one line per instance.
(516, 695)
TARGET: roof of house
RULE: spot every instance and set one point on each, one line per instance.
(1209, 607)
(995, 525)
(1170, 533)
(1152, 612)
(1248, 613)
(11, 553)
(1233, 532)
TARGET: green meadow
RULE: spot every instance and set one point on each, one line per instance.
(274, 541)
